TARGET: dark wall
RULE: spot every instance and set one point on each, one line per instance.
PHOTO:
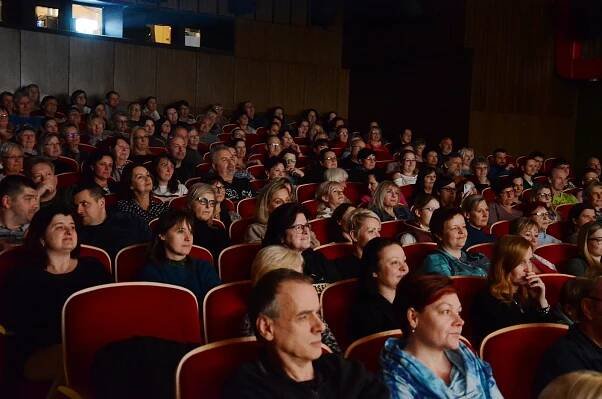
(588, 136)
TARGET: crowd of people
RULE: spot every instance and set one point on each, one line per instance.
(130, 164)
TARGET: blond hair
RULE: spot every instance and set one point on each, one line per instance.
(379, 194)
(196, 191)
(594, 268)
(357, 218)
(582, 384)
(265, 197)
(275, 257)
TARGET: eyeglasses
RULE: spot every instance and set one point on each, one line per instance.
(3, 115)
(596, 239)
(545, 195)
(300, 228)
(274, 145)
(370, 158)
(449, 189)
(218, 188)
(14, 157)
(543, 213)
(290, 160)
(330, 158)
(206, 202)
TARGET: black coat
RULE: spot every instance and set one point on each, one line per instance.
(372, 313)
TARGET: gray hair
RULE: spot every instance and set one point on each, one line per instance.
(9, 146)
(336, 174)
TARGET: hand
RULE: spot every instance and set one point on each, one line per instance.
(537, 288)
(45, 189)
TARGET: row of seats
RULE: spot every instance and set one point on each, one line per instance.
(97, 316)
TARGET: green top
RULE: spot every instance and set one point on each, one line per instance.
(441, 262)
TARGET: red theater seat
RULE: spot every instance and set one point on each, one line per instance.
(320, 229)
(554, 283)
(558, 254)
(234, 263)
(68, 179)
(246, 207)
(564, 210)
(100, 315)
(415, 253)
(100, 255)
(336, 302)
(392, 228)
(306, 192)
(224, 309)
(515, 353)
(335, 250)
(238, 229)
(312, 207)
(484, 248)
(499, 229)
(367, 350)
(560, 230)
(468, 287)
(488, 194)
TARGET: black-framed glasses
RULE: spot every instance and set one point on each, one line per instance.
(206, 202)
(300, 228)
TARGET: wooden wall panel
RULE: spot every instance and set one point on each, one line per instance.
(10, 78)
(215, 80)
(343, 93)
(189, 5)
(135, 71)
(299, 12)
(252, 82)
(251, 39)
(176, 76)
(45, 60)
(91, 66)
(263, 10)
(208, 6)
(282, 12)
(295, 88)
(321, 88)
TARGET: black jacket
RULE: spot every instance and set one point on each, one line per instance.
(335, 377)
(372, 313)
(319, 268)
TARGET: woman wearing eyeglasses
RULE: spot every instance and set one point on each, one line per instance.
(514, 294)
(418, 228)
(502, 208)
(288, 226)
(169, 262)
(386, 203)
(589, 245)
(539, 213)
(201, 203)
(406, 172)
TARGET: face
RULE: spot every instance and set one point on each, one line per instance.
(99, 111)
(103, 168)
(51, 126)
(539, 163)
(303, 128)
(479, 215)
(249, 109)
(177, 148)
(165, 169)
(24, 205)
(177, 241)
(375, 135)
(335, 196)
(276, 171)
(372, 184)
(296, 332)
(13, 162)
(590, 177)
(408, 164)
(184, 111)
(439, 325)
(447, 194)
(172, 115)
(220, 192)
(500, 158)
(151, 104)
(141, 140)
(481, 170)
(81, 99)
(149, 126)
(279, 197)
(425, 214)
(141, 180)
(60, 234)
(596, 197)
(51, 106)
(507, 196)
(343, 135)
(369, 229)
(166, 127)
(517, 184)
(594, 243)
(369, 162)
(431, 159)
(467, 158)
(454, 166)
(406, 136)
(290, 161)
(429, 180)
(90, 210)
(594, 163)
(225, 163)
(391, 197)
(544, 195)
(42, 174)
(530, 167)
(113, 100)
(454, 233)
(392, 266)
(558, 180)
(519, 273)
(52, 148)
(297, 236)
(121, 123)
(274, 147)
(121, 150)
(8, 102)
(541, 216)
(24, 106)
(312, 117)
(97, 126)
(446, 146)
(531, 235)
(203, 207)
(329, 160)
(586, 216)
(71, 136)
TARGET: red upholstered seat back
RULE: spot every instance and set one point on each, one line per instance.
(99, 315)
(320, 229)
(484, 248)
(238, 228)
(515, 353)
(468, 287)
(558, 254)
(224, 309)
(367, 350)
(336, 303)
(234, 263)
(415, 253)
(500, 228)
(554, 283)
(335, 250)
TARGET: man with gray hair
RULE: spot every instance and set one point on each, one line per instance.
(284, 311)
(224, 168)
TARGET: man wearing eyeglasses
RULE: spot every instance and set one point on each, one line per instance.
(581, 347)
(111, 231)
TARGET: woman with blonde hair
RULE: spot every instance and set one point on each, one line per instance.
(331, 195)
(528, 229)
(201, 203)
(274, 194)
(589, 245)
(514, 294)
(385, 203)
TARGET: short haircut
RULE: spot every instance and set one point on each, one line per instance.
(358, 216)
(275, 257)
(498, 150)
(281, 219)
(371, 258)
(216, 149)
(13, 185)
(9, 146)
(262, 300)
(519, 225)
(110, 93)
(471, 202)
(336, 174)
(365, 153)
(33, 161)
(502, 184)
(577, 209)
(271, 162)
(326, 187)
(440, 216)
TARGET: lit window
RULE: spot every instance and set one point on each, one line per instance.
(47, 17)
(192, 37)
(87, 19)
(160, 33)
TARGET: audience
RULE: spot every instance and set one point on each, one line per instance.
(201, 202)
(136, 187)
(448, 227)
(430, 360)
(417, 229)
(383, 265)
(514, 294)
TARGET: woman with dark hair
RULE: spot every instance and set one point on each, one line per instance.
(150, 108)
(514, 294)
(579, 215)
(166, 186)
(36, 291)
(120, 149)
(449, 259)
(288, 226)
(543, 216)
(100, 169)
(136, 187)
(79, 100)
(505, 198)
(162, 131)
(479, 167)
(425, 181)
(338, 224)
(169, 262)
(418, 228)
(429, 360)
(589, 247)
(383, 265)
